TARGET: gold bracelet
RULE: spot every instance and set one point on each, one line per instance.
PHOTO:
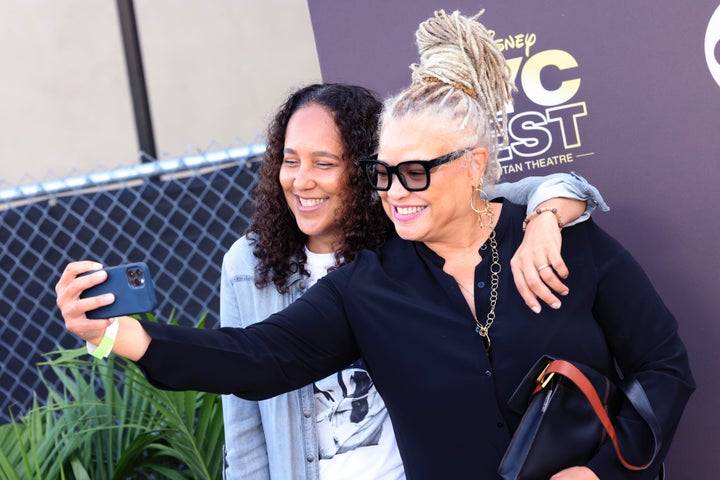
(539, 211)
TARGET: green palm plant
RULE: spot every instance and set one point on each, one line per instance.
(105, 421)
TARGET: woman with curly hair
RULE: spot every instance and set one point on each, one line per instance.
(314, 211)
(360, 222)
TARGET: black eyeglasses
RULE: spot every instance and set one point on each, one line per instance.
(414, 175)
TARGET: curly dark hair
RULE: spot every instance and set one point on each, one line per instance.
(278, 242)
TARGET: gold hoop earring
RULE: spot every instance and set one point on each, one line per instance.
(486, 212)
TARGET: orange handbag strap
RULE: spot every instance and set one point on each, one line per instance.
(634, 392)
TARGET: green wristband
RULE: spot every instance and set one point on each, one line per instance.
(105, 347)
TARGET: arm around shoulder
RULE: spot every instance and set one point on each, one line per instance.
(533, 191)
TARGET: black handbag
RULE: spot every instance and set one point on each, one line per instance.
(566, 419)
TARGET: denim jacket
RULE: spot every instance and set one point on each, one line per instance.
(273, 438)
(276, 438)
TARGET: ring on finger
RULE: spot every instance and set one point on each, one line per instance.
(544, 265)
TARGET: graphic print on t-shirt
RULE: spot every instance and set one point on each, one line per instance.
(350, 412)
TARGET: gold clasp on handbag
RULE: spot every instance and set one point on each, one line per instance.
(542, 379)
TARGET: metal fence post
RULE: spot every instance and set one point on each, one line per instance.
(136, 77)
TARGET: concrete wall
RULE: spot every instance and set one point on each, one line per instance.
(215, 73)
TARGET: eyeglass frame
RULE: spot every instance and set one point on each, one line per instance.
(427, 165)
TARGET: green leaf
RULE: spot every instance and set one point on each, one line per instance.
(105, 421)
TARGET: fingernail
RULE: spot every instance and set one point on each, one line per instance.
(536, 309)
(565, 292)
(555, 305)
(108, 297)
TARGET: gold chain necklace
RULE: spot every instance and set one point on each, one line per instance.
(495, 267)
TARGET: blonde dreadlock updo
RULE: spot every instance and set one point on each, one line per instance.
(461, 76)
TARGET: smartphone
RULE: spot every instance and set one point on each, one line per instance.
(133, 289)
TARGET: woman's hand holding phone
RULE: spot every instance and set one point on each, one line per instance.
(68, 289)
(78, 277)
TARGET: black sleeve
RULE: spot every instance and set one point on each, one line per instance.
(643, 337)
(307, 341)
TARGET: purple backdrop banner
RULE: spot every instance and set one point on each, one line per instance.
(626, 94)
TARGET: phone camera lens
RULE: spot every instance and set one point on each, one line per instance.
(135, 276)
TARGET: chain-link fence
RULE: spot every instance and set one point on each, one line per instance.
(179, 216)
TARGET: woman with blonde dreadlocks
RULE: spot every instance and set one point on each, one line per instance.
(433, 312)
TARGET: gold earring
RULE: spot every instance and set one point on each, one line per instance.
(486, 212)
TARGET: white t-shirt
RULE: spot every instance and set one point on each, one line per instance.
(355, 435)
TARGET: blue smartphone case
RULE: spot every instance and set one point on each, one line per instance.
(133, 289)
